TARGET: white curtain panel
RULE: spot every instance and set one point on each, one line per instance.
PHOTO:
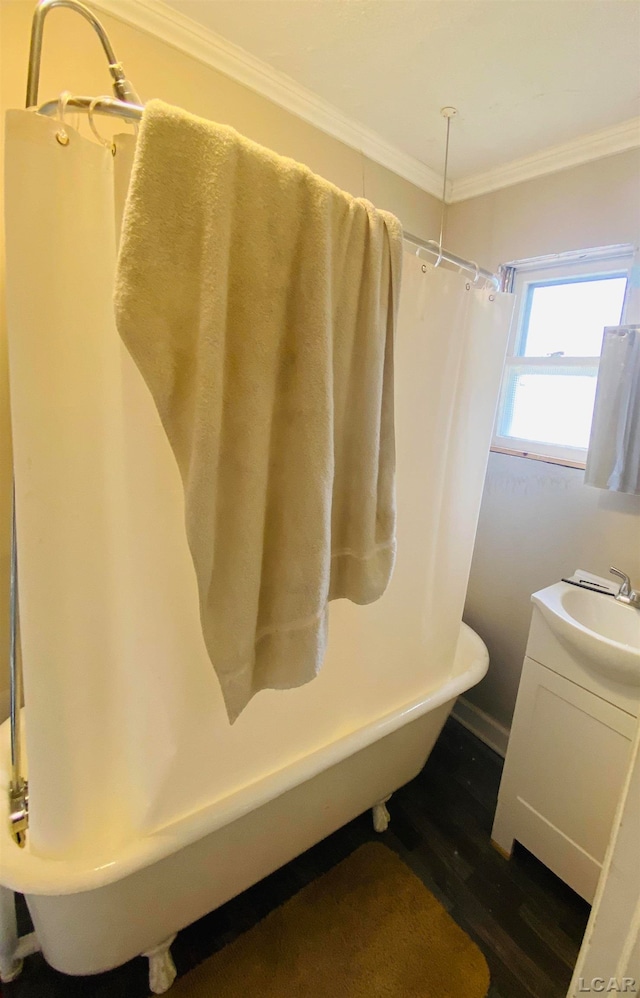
(125, 726)
(451, 349)
(64, 385)
(613, 458)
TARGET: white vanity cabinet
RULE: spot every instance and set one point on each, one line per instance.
(566, 760)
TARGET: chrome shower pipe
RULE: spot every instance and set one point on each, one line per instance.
(18, 786)
(121, 85)
(15, 689)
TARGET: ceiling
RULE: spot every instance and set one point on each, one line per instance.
(525, 75)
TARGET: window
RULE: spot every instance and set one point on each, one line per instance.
(563, 304)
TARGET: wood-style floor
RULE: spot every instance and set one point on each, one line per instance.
(527, 922)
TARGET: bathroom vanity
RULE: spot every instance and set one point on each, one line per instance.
(574, 722)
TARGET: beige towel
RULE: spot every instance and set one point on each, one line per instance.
(259, 302)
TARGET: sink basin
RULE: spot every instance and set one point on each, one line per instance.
(603, 633)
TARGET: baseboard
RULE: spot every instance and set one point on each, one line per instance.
(484, 727)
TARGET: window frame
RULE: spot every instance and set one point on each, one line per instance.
(519, 277)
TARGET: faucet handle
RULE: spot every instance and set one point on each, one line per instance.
(621, 575)
(626, 594)
(626, 581)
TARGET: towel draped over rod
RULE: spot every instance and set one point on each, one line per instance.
(113, 107)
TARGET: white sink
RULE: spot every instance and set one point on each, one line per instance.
(605, 633)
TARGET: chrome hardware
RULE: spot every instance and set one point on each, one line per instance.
(121, 85)
(626, 594)
(18, 788)
(19, 811)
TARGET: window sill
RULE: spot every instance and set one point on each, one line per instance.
(539, 457)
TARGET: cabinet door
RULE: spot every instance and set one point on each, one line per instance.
(563, 774)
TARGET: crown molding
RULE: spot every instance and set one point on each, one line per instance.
(181, 32)
(597, 145)
(174, 28)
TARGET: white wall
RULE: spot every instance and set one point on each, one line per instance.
(537, 520)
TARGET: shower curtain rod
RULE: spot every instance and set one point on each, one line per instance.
(133, 112)
(113, 107)
(470, 265)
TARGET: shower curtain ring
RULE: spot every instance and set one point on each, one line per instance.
(62, 135)
(437, 247)
(108, 144)
(477, 270)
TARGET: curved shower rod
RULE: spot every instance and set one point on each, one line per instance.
(121, 86)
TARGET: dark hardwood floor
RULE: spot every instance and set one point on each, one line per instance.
(527, 922)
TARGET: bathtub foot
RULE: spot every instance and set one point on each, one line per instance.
(381, 816)
(162, 969)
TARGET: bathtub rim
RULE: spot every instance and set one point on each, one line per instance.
(31, 874)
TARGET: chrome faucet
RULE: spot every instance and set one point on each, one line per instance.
(625, 593)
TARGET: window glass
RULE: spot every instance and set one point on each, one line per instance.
(566, 318)
(551, 368)
(551, 407)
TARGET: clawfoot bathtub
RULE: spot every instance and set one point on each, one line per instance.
(90, 917)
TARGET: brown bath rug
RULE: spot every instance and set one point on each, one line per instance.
(368, 928)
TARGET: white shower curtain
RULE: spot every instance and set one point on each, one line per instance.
(125, 725)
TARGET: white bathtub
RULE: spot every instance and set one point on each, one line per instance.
(92, 916)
